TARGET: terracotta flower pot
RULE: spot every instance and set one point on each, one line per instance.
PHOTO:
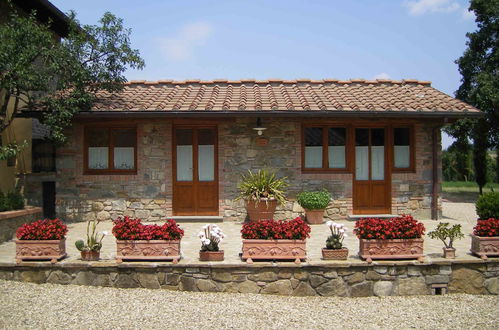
(52, 250)
(314, 217)
(370, 249)
(280, 249)
(90, 255)
(485, 246)
(211, 255)
(148, 250)
(263, 210)
(335, 254)
(449, 253)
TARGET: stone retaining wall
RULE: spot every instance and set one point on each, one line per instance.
(342, 280)
(11, 220)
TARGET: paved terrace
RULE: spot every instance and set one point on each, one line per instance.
(462, 213)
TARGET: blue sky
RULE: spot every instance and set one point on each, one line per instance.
(292, 39)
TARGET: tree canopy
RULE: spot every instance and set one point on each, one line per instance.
(59, 77)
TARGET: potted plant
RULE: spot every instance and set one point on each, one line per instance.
(444, 233)
(41, 240)
(334, 244)
(314, 203)
(136, 241)
(262, 191)
(90, 250)
(273, 239)
(211, 236)
(485, 238)
(395, 238)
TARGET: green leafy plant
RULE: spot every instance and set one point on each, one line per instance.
(15, 200)
(262, 184)
(443, 232)
(314, 200)
(3, 203)
(94, 239)
(487, 205)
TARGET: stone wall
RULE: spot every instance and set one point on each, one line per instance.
(353, 281)
(11, 220)
(148, 194)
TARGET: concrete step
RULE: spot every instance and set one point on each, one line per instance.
(355, 217)
(197, 218)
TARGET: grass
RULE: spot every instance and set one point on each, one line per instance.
(464, 191)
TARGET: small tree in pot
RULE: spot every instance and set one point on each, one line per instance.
(90, 250)
(262, 191)
(314, 203)
(334, 244)
(443, 232)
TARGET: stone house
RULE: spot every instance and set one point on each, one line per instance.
(177, 148)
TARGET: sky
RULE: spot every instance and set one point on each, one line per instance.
(289, 39)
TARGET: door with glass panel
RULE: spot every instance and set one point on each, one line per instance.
(195, 177)
(371, 183)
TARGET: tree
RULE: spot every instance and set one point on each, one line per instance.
(480, 83)
(59, 78)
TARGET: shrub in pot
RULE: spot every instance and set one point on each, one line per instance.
(314, 203)
(395, 238)
(334, 244)
(136, 241)
(447, 235)
(15, 200)
(487, 206)
(262, 191)
(90, 249)
(41, 240)
(275, 239)
(3, 203)
(485, 238)
(211, 236)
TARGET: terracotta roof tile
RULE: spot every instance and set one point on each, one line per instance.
(381, 95)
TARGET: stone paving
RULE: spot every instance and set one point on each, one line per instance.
(462, 213)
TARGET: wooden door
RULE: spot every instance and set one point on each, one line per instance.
(372, 176)
(195, 171)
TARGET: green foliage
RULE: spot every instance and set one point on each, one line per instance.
(94, 239)
(4, 206)
(66, 74)
(80, 245)
(487, 205)
(314, 200)
(443, 232)
(262, 184)
(334, 242)
(15, 200)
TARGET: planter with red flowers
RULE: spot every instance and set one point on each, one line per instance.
(395, 238)
(41, 240)
(485, 238)
(275, 240)
(136, 241)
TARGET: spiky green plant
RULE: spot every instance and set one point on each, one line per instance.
(94, 239)
(262, 184)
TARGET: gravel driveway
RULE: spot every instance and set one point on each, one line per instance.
(49, 306)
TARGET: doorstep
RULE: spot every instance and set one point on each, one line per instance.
(197, 218)
(354, 217)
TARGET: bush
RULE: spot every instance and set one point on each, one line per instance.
(314, 200)
(276, 229)
(132, 229)
(487, 205)
(4, 206)
(42, 230)
(403, 227)
(15, 200)
(487, 228)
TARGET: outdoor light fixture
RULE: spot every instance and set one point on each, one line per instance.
(259, 128)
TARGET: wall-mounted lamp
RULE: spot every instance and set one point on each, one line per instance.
(259, 128)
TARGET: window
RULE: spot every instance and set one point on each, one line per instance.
(110, 150)
(324, 148)
(403, 149)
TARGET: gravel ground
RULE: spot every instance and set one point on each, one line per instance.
(49, 306)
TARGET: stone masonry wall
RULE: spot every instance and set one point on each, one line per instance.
(353, 281)
(148, 194)
(11, 220)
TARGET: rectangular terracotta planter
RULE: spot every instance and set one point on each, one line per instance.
(370, 249)
(281, 249)
(148, 250)
(484, 246)
(52, 250)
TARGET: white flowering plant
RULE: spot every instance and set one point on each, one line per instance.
(211, 236)
(338, 234)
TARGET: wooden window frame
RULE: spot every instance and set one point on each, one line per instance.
(412, 149)
(325, 149)
(111, 170)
